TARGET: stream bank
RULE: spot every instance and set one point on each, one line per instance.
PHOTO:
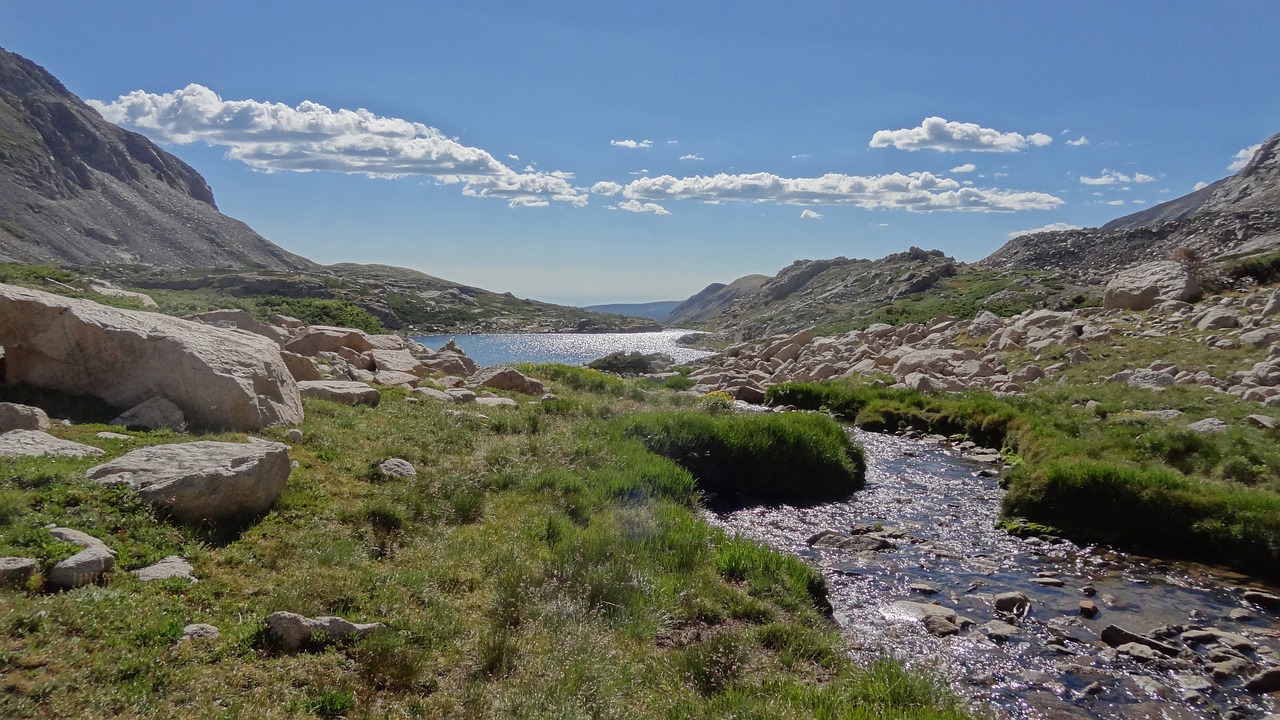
(917, 569)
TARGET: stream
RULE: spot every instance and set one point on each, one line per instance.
(934, 513)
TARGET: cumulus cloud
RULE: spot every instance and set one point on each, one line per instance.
(1112, 177)
(636, 206)
(1199, 186)
(1051, 227)
(632, 144)
(808, 214)
(606, 187)
(920, 191)
(936, 133)
(691, 156)
(965, 168)
(311, 137)
(1242, 158)
(1082, 140)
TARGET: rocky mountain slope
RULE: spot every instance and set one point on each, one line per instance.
(658, 310)
(714, 298)
(76, 189)
(1235, 216)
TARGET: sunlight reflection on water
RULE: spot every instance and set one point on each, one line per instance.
(567, 348)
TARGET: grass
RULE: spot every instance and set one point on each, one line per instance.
(542, 563)
(1110, 474)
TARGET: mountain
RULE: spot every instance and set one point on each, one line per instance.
(1237, 215)
(714, 298)
(78, 190)
(652, 310)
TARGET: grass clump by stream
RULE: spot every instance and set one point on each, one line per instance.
(542, 563)
(1110, 474)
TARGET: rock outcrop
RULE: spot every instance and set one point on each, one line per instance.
(34, 443)
(1145, 286)
(221, 379)
(202, 480)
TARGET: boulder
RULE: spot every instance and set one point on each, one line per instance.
(396, 469)
(86, 566)
(347, 392)
(300, 367)
(505, 378)
(496, 402)
(16, 571)
(1267, 681)
(392, 378)
(204, 480)
(241, 320)
(1012, 602)
(169, 567)
(153, 414)
(1149, 379)
(1266, 422)
(1208, 425)
(1218, 318)
(221, 379)
(325, 338)
(461, 395)
(22, 417)
(434, 394)
(1273, 304)
(33, 443)
(401, 361)
(200, 631)
(1143, 286)
(933, 361)
(292, 631)
(1262, 337)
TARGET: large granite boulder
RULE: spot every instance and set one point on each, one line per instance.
(221, 379)
(505, 378)
(325, 338)
(1144, 286)
(22, 417)
(202, 480)
(35, 443)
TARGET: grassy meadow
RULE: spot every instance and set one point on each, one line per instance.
(548, 561)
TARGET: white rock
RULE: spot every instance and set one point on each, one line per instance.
(204, 480)
(340, 391)
(170, 567)
(396, 469)
(221, 379)
(1208, 425)
(1139, 287)
(33, 443)
(200, 631)
(86, 566)
(292, 631)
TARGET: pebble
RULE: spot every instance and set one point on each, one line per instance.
(1088, 608)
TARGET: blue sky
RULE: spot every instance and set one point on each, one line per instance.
(584, 152)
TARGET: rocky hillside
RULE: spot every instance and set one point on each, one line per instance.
(75, 189)
(714, 298)
(1238, 215)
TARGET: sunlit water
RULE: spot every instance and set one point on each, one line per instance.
(567, 348)
(933, 495)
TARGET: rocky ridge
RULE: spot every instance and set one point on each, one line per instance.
(76, 189)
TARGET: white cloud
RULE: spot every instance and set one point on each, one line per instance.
(1113, 202)
(1242, 158)
(632, 144)
(1051, 227)
(606, 187)
(691, 156)
(1199, 186)
(1082, 140)
(673, 142)
(921, 192)
(311, 138)
(965, 168)
(513, 156)
(1112, 177)
(936, 133)
(808, 214)
(636, 206)
(801, 156)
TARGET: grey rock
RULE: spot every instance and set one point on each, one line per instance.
(292, 631)
(15, 571)
(1267, 681)
(1208, 426)
(1218, 318)
(923, 588)
(505, 378)
(33, 443)
(1012, 602)
(1048, 581)
(22, 417)
(1001, 630)
(153, 414)
(396, 469)
(1138, 651)
(221, 379)
(496, 402)
(433, 394)
(325, 338)
(340, 391)
(204, 480)
(107, 435)
(461, 395)
(294, 435)
(1143, 286)
(200, 631)
(170, 567)
(1266, 422)
(1150, 379)
(1116, 636)
(86, 566)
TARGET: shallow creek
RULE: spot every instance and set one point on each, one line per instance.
(1054, 665)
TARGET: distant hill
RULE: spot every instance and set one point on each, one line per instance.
(714, 299)
(653, 310)
(78, 190)
(1238, 214)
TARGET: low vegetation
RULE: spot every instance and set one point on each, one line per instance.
(1107, 473)
(542, 563)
